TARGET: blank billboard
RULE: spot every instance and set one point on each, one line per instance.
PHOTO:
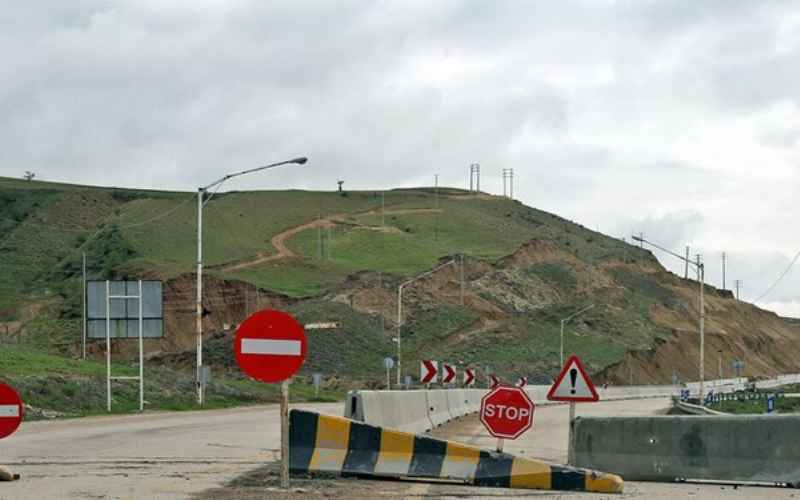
(124, 312)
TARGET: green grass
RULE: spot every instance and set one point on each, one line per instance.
(757, 406)
(78, 388)
(152, 233)
(293, 278)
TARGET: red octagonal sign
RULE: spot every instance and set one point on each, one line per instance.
(507, 412)
(11, 412)
(270, 346)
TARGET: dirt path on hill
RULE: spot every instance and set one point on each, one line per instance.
(279, 243)
(283, 251)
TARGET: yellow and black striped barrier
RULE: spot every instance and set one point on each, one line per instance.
(321, 443)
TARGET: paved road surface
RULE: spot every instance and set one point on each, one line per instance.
(222, 454)
(548, 441)
(153, 456)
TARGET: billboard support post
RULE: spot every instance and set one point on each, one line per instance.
(140, 377)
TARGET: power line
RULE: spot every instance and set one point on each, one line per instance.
(784, 273)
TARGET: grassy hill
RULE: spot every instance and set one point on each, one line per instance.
(328, 256)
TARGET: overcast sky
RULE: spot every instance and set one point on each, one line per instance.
(678, 119)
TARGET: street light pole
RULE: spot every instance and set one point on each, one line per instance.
(563, 322)
(201, 202)
(701, 275)
(400, 313)
(702, 268)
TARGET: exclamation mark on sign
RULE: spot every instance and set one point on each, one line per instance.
(573, 377)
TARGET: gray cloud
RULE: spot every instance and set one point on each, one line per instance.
(674, 118)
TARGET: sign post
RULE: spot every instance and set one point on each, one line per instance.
(388, 363)
(507, 413)
(572, 385)
(270, 346)
(316, 378)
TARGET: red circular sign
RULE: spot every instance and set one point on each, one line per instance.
(11, 411)
(270, 346)
(507, 412)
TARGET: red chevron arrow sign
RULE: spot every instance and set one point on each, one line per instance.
(522, 382)
(469, 377)
(494, 382)
(428, 371)
(449, 375)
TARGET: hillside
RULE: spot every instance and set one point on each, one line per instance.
(326, 256)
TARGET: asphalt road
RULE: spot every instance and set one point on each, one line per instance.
(153, 456)
(548, 441)
(231, 454)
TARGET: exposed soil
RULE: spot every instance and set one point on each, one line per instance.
(264, 482)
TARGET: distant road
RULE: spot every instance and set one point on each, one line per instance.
(150, 456)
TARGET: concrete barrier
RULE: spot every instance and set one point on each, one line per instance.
(665, 448)
(438, 408)
(456, 403)
(421, 410)
(322, 443)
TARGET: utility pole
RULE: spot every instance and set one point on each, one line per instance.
(686, 261)
(84, 307)
(319, 235)
(719, 362)
(701, 278)
(641, 239)
(329, 242)
(383, 208)
(508, 183)
(698, 259)
(436, 214)
(723, 270)
(475, 178)
(702, 271)
(462, 279)
(738, 283)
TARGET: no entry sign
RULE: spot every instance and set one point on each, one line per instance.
(270, 346)
(507, 412)
(10, 410)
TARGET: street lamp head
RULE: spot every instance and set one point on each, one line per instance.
(636, 238)
(299, 161)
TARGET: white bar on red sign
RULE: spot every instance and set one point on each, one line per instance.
(9, 411)
(271, 346)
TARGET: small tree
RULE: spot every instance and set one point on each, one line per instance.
(29, 175)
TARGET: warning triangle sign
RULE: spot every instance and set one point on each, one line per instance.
(572, 384)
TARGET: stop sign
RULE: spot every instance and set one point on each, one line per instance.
(270, 346)
(10, 410)
(507, 412)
